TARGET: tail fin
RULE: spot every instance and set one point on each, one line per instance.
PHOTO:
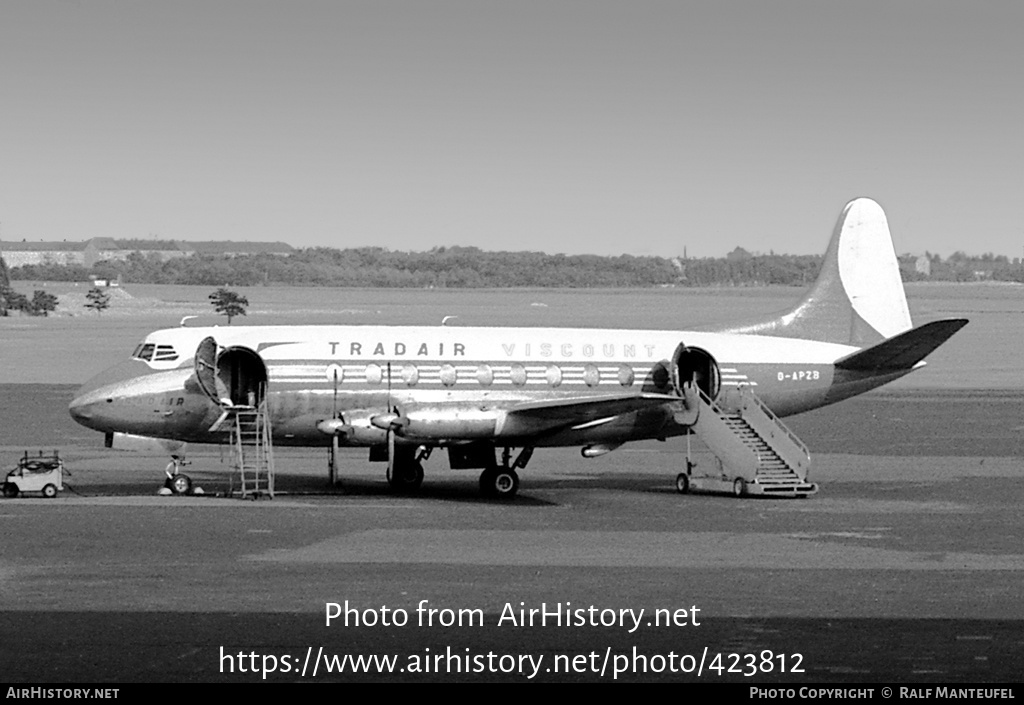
(858, 298)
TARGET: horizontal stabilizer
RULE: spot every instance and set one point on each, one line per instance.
(903, 351)
(583, 409)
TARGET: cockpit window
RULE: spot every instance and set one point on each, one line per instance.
(157, 353)
(165, 353)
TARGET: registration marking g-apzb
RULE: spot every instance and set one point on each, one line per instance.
(799, 376)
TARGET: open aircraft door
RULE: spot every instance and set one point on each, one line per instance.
(235, 376)
(206, 370)
(698, 366)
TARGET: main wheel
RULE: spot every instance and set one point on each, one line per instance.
(180, 484)
(10, 489)
(407, 477)
(739, 487)
(50, 491)
(682, 483)
(499, 482)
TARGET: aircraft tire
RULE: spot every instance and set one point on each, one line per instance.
(10, 490)
(739, 487)
(682, 483)
(406, 478)
(179, 484)
(499, 483)
(50, 491)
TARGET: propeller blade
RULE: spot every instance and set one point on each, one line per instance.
(391, 453)
(335, 449)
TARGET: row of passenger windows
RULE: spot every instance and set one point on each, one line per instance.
(449, 375)
(156, 353)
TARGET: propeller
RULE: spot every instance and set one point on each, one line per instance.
(335, 437)
(390, 433)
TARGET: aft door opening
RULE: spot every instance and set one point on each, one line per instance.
(698, 365)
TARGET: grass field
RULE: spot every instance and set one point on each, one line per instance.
(75, 344)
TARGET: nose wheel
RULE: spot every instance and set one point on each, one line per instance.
(179, 484)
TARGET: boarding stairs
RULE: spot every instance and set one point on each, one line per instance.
(752, 443)
(252, 452)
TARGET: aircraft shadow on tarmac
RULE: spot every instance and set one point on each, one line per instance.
(449, 489)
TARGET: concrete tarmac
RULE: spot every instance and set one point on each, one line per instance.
(906, 568)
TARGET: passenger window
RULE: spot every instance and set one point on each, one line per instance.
(484, 375)
(518, 374)
(626, 375)
(554, 375)
(591, 375)
(449, 375)
(374, 374)
(411, 374)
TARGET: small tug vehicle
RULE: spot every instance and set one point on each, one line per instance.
(41, 473)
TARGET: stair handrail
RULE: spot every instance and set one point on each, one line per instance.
(709, 401)
(778, 422)
(267, 439)
(238, 451)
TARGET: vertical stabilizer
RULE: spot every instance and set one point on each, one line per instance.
(858, 298)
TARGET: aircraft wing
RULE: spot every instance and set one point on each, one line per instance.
(903, 351)
(578, 410)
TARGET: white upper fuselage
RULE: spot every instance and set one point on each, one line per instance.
(288, 345)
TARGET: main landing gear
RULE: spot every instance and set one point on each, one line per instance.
(502, 481)
(405, 474)
(499, 482)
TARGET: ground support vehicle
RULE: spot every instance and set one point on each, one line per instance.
(44, 474)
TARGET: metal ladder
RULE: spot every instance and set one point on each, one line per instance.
(253, 450)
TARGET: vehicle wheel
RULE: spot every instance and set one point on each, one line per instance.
(407, 477)
(50, 491)
(682, 483)
(739, 487)
(180, 484)
(10, 489)
(500, 483)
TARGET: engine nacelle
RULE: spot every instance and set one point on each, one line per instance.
(355, 427)
(444, 422)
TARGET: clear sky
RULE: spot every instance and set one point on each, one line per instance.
(556, 125)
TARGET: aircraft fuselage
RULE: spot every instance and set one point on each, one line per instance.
(314, 373)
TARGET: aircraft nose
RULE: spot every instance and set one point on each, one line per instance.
(84, 407)
(87, 406)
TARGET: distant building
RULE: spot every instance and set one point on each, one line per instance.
(90, 252)
(923, 266)
(738, 255)
(17, 254)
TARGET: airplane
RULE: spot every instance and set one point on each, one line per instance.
(490, 396)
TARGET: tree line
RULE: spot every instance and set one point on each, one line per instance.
(40, 304)
(470, 267)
